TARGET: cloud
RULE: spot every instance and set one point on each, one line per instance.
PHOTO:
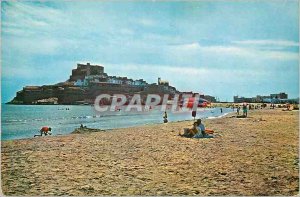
(145, 22)
(283, 43)
(189, 46)
(126, 31)
(242, 50)
(137, 41)
(44, 46)
(26, 17)
(169, 71)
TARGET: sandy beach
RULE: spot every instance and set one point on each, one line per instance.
(257, 155)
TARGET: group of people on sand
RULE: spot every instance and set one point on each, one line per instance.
(197, 131)
(245, 110)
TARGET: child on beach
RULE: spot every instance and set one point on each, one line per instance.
(45, 131)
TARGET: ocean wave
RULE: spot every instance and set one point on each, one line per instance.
(220, 116)
(13, 120)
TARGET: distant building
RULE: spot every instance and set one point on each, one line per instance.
(79, 82)
(272, 98)
(237, 99)
(209, 98)
(140, 82)
(114, 80)
(162, 82)
(84, 70)
(260, 99)
(281, 95)
(87, 74)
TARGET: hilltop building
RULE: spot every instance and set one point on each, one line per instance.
(88, 75)
(87, 82)
(162, 82)
(84, 70)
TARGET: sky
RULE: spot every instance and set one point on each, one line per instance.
(219, 48)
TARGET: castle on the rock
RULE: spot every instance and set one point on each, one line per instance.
(85, 84)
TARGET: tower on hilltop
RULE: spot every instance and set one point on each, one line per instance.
(84, 70)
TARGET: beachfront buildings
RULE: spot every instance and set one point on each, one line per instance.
(281, 97)
(209, 98)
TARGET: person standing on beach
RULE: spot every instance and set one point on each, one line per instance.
(245, 110)
(238, 110)
(165, 117)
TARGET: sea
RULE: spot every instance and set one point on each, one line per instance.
(24, 121)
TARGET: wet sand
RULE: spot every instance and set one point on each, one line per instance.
(257, 155)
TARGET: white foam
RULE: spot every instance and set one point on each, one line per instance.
(222, 115)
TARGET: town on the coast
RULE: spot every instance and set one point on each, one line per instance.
(87, 81)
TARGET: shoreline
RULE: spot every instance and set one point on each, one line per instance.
(257, 156)
(111, 129)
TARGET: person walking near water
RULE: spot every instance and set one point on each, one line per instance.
(238, 110)
(221, 110)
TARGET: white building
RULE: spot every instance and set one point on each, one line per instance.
(139, 82)
(79, 82)
(114, 80)
(129, 82)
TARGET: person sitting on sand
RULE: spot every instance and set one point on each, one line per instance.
(198, 131)
(45, 131)
(201, 131)
(189, 133)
